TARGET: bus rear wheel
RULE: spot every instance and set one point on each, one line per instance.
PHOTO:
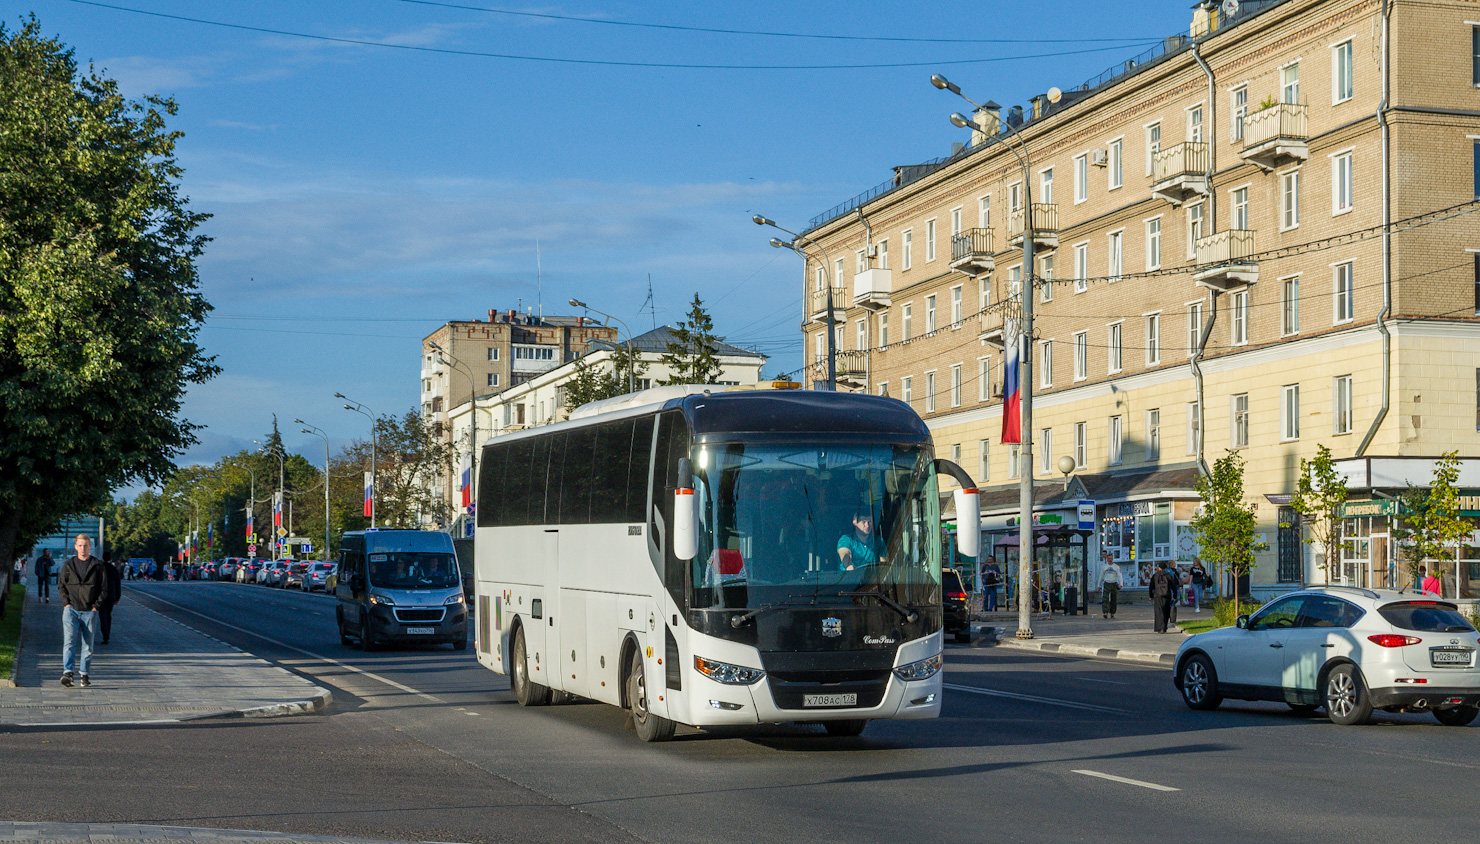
(526, 691)
(649, 727)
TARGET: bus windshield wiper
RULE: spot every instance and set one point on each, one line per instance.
(738, 621)
(909, 615)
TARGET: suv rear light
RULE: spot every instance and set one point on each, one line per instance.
(956, 596)
(1393, 640)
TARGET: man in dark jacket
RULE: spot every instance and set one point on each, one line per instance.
(83, 586)
(42, 568)
(1163, 588)
(115, 592)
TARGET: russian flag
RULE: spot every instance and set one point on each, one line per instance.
(277, 509)
(369, 494)
(249, 520)
(210, 536)
(467, 483)
(1012, 396)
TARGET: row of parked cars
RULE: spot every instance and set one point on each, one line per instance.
(308, 575)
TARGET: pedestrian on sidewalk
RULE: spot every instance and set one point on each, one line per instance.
(1163, 590)
(42, 568)
(989, 586)
(84, 588)
(1178, 592)
(1110, 582)
(1199, 583)
(115, 593)
(1430, 582)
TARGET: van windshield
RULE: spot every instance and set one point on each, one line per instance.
(413, 570)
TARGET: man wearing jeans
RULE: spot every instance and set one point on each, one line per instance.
(83, 586)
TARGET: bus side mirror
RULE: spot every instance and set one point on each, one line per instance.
(685, 514)
(968, 522)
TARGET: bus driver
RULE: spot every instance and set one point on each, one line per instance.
(861, 546)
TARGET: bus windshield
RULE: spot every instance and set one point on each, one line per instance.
(808, 521)
(413, 570)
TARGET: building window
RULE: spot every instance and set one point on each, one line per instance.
(1153, 434)
(1477, 169)
(1153, 244)
(1153, 146)
(1290, 547)
(1341, 404)
(906, 249)
(1194, 425)
(907, 389)
(983, 293)
(1081, 446)
(1045, 451)
(1290, 199)
(1081, 267)
(956, 385)
(1045, 364)
(1014, 196)
(1290, 306)
(1341, 72)
(819, 278)
(1014, 281)
(1081, 178)
(984, 211)
(884, 388)
(1239, 111)
(1239, 437)
(1014, 461)
(838, 273)
(1342, 292)
(984, 379)
(1290, 83)
(1241, 209)
(1290, 412)
(1116, 162)
(1153, 339)
(493, 354)
(884, 330)
(1341, 183)
(930, 314)
(1115, 441)
(956, 306)
(1194, 327)
(493, 379)
(1115, 260)
(1195, 124)
(930, 392)
(1475, 56)
(1081, 356)
(1045, 277)
(1239, 304)
(862, 261)
(955, 221)
(1113, 353)
(862, 334)
(956, 453)
(908, 317)
(930, 239)
(1194, 228)
(983, 462)
(818, 344)
(1045, 186)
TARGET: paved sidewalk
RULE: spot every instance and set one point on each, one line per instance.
(154, 670)
(1128, 637)
(117, 833)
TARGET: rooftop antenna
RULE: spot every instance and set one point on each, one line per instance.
(649, 304)
(539, 279)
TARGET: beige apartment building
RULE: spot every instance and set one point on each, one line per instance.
(1258, 236)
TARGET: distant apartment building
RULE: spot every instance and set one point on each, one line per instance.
(1258, 236)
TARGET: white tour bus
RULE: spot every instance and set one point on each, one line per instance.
(720, 558)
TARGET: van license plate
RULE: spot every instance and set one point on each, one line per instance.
(830, 700)
(420, 631)
(1459, 659)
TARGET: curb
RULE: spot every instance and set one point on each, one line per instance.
(315, 704)
(991, 639)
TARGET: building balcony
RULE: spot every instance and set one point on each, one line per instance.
(871, 289)
(817, 301)
(1225, 260)
(996, 322)
(1180, 172)
(972, 251)
(1275, 136)
(1045, 226)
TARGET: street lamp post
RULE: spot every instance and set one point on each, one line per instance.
(452, 362)
(1024, 340)
(631, 361)
(282, 494)
(374, 446)
(310, 429)
(832, 351)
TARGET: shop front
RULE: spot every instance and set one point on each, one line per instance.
(1137, 535)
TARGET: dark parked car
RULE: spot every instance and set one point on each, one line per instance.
(957, 612)
(295, 573)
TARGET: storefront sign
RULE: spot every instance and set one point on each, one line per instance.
(1279, 499)
(1469, 503)
(1362, 509)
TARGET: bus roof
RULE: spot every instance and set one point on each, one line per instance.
(801, 411)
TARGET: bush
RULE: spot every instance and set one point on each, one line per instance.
(1223, 610)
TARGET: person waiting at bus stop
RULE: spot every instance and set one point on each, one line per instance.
(859, 547)
(1110, 583)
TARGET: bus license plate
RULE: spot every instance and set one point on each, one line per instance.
(1459, 659)
(830, 700)
(421, 631)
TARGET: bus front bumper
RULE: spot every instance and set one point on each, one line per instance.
(713, 704)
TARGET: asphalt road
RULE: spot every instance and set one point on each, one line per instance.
(425, 744)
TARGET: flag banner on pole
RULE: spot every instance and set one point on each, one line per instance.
(277, 509)
(1012, 396)
(369, 494)
(211, 536)
(249, 521)
(467, 483)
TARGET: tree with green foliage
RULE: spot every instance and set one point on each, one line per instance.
(410, 462)
(1319, 493)
(693, 353)
(99, 297)
(594, 383)
(1432, 526)
(1225, 524)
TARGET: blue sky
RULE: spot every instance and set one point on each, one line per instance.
(363, 195)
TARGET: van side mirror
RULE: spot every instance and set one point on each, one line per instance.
(1242, 622)
(685, 513)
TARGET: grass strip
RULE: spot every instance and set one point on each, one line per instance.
(10, 628)
(1197, 625)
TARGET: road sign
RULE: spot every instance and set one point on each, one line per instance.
(252, 539)
(282, 531)
(252, 549)
(307, 548)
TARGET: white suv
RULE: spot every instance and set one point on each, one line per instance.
(1348, 649)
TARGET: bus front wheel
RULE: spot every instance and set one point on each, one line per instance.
(649, 727)
(850, 727)
(526, 691)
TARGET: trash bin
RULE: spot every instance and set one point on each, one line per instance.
(1071, 600)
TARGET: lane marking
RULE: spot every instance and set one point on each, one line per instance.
(372, 675)
(1128, 781)
(1093, 680)
(1088, 707)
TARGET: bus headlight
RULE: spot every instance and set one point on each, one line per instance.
(922, 670)
(730, 675)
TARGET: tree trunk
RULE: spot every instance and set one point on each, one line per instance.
(10, 525)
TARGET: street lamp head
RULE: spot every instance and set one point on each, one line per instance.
(762, 221)
(960, 120)
(1067, 464)
(577, 303)
(340, 396)
(944, 84)
(434, 345)
(299, 422)
(347, 407)
(782, 244)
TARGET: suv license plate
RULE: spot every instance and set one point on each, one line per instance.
(420, 631)
(1448, 659)
(830, 700)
